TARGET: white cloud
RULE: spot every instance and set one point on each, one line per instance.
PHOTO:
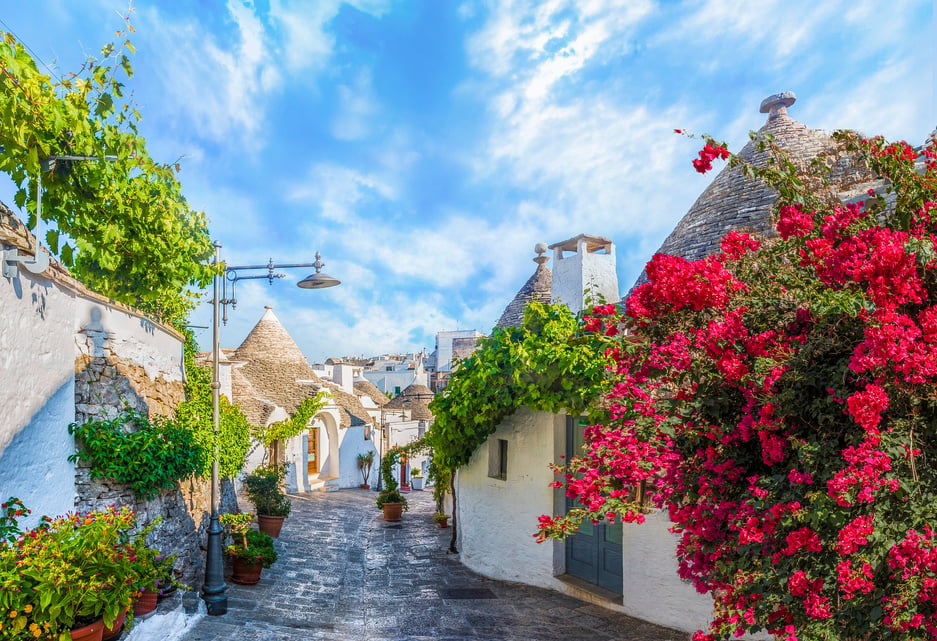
(338, 190)
(357, 107)
(220, 89)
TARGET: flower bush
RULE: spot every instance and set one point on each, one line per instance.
(777, 399)
(70, 571)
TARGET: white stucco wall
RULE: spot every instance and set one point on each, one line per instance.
(37, 394)
(129, 337)
(353, 444)
(497, 519)
(652, 589)
(45, 325)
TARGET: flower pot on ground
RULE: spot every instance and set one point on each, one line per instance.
(113, 631)
(71, 571)
(365, 461)
(251, 550)
(145, 605)
(416, 481)
(392, 503)
(246, 571)
(92, 632)
(262, 487)
(441, 519)
(270, 525)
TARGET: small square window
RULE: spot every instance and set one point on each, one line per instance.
(498, 459)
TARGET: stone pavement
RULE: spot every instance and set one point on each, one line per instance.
(344, 574)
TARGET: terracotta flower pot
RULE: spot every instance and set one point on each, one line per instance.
(91, 632)
(443, 523)
(246, 572)
(270, 525)
(392, 511)
(114, 631)
(145, 605)
(365, 486)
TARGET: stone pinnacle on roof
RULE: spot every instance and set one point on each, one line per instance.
(733, 202)
(538, 287)
(777, 104)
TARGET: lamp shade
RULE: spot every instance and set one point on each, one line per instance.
(318, 281)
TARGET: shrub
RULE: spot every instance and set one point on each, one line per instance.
(779, 399)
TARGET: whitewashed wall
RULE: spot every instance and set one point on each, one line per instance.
(37, 394)
(497, 520)
(49, 327)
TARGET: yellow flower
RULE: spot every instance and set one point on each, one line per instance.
(37, 632)
(28, 608)
(13, 614)
(33, 627)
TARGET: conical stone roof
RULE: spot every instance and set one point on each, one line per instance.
(275, 371)
(538, 287)
(371, 390)
(735, 202)
(414, 398)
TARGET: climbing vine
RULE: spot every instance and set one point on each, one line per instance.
(121, 226)
(196, 414)
(548, 363)
(295, 424)
(148, 454)
(391, 492)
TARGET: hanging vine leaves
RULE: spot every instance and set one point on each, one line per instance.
(121, 226)
(548, 363)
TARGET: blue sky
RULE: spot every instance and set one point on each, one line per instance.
(425, 147)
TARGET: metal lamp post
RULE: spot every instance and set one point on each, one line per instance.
(214, 590)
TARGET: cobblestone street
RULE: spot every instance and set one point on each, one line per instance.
(346, 574)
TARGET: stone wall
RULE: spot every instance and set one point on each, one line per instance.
(68, 354)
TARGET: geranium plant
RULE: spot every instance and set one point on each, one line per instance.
(67, 572)
(778, 400)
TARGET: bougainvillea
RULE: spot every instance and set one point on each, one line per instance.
(778, 399)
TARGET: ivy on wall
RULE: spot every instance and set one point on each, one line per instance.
(548, 363)
(295, 424)
(148, 454)
(196, 413)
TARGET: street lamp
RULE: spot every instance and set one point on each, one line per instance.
(213, 591)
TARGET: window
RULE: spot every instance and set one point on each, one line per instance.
(388, 368)
(396, 390)
(498, 459)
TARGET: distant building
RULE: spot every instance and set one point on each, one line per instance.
(450, 348)
(392, 373)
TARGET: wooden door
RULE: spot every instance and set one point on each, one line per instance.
(594, 553)
(312, 451)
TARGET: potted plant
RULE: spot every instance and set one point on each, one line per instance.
(416, 480)
(250, 550)
(262, 487)
(441, 519)
(365, 461)
(71, 573)
(390, 500)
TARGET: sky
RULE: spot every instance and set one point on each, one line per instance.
(425, 147)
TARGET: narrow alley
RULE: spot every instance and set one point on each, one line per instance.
(345, 574)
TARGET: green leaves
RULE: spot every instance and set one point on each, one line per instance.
(545, 364)
(133, 236)
(149, 455)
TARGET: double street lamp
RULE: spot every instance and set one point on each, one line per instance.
(214, 589)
